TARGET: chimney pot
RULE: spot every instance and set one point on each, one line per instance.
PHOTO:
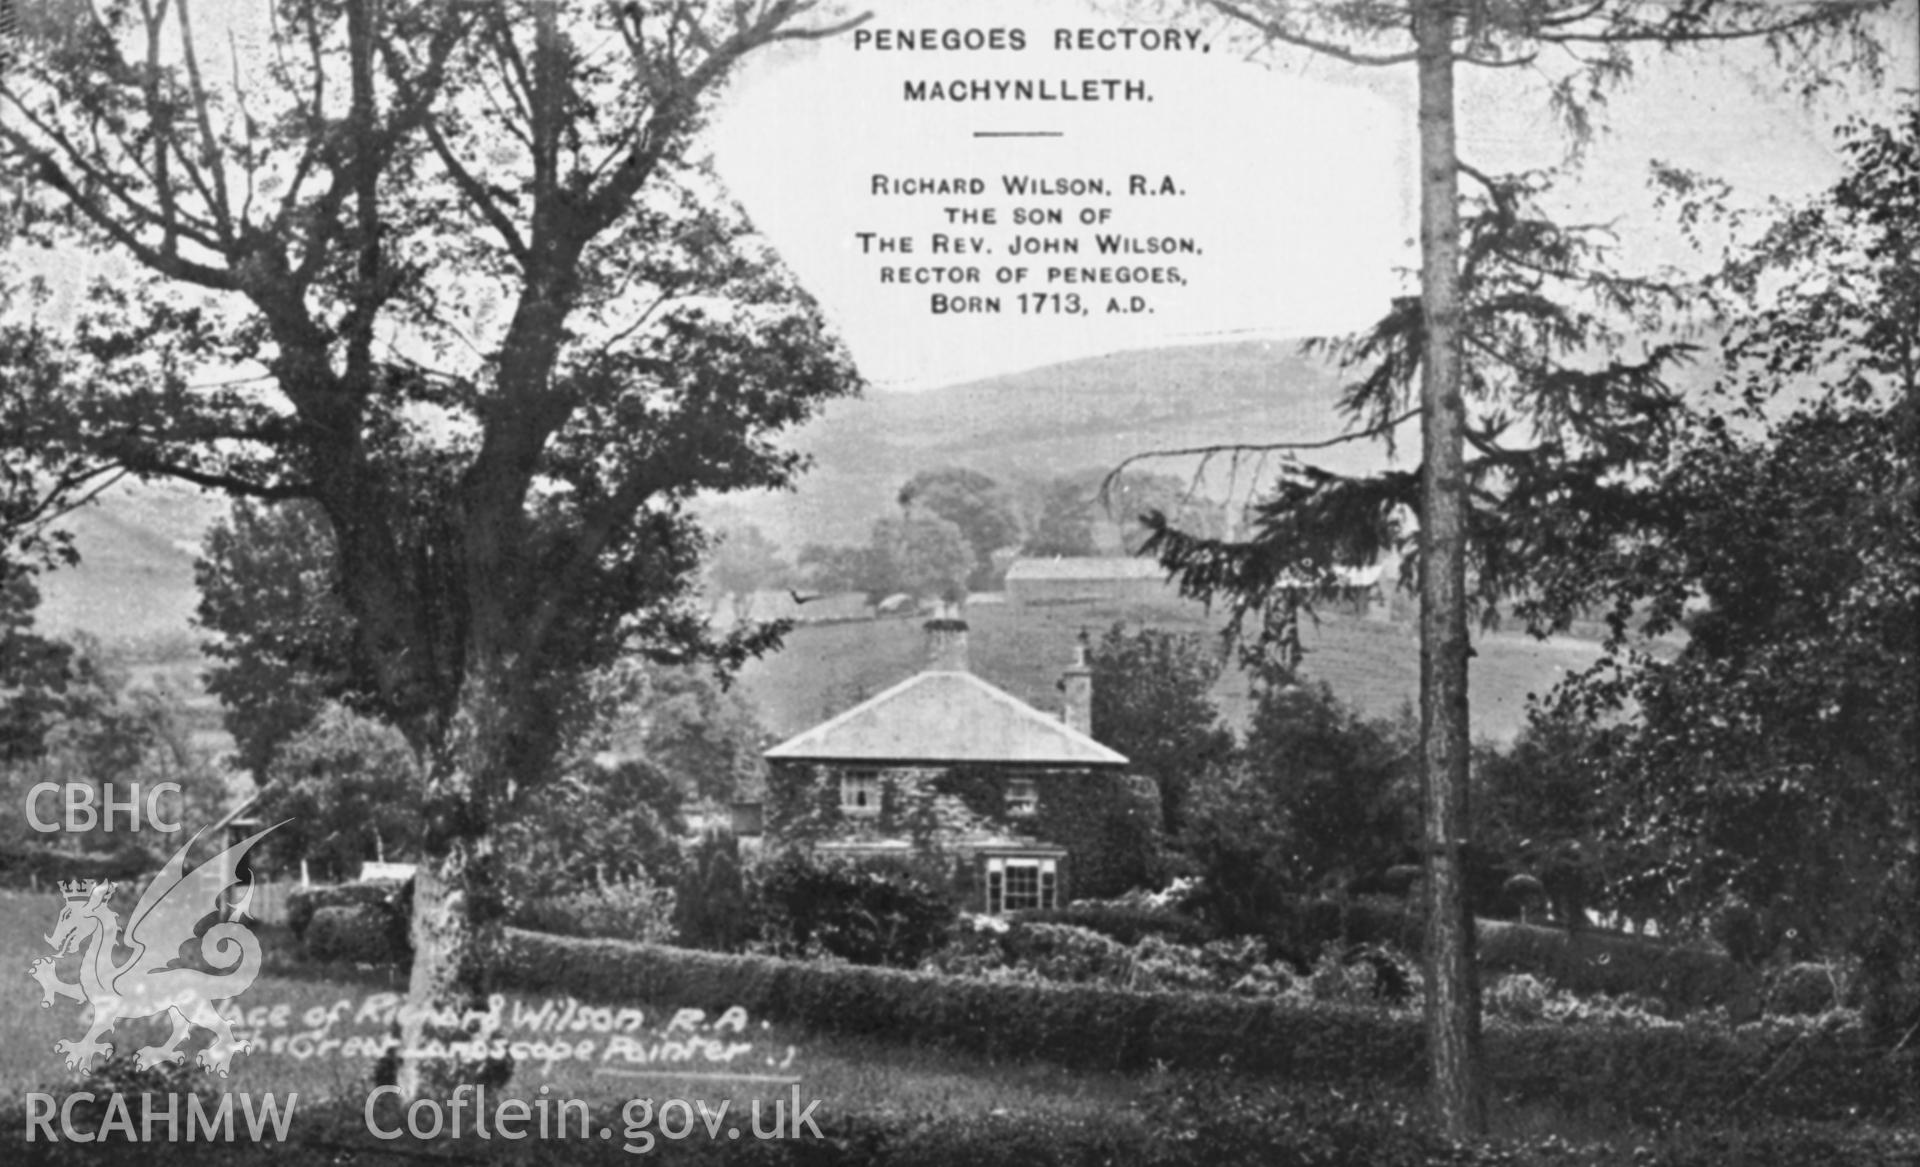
(1077, 685)
(946, 642)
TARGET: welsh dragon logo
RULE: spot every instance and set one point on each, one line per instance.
(152, 979)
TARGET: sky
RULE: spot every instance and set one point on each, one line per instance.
(1296, 176)
(1295, 173)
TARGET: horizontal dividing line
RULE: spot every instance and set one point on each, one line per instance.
(719, 1076)
(1018, 134)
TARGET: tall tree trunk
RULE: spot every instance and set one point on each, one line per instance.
(446, 1032)
(1453, 996)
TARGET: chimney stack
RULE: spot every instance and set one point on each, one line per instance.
(946, 642)
(1077, 685)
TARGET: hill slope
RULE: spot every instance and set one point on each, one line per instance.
(135, 585)
(1374, 666)
(1033, 425)
(136, 580)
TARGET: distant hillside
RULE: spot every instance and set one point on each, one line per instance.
(138, 545)
(134, 585)
(1374, 666)
(1034, 425)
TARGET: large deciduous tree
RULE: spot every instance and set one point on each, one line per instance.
(270, 593)
(973, 502)
(447, 271)
(1153, 702)
(1541, 438)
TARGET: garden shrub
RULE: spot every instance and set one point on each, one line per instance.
(1027, 951)
(393, 895)
(1126, 923)
(714, 906)
(631, 909)
(361, 933)
(1593, 962)
(872, 912)
(1110, 824)
(1065, 954)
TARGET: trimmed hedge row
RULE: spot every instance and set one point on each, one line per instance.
(361, 933)
(1643, 1073)
(1587, 961)
(1086, 1026)
(1599, 962)
(44, 866)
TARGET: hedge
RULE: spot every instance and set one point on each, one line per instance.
(1588, 962)
(362, 933)
(1780, 1071)
(44, 867)
(305, 901)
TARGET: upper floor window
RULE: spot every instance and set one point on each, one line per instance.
(1023, 796)
(860, 792)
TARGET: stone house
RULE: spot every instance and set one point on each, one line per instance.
(1012, 804)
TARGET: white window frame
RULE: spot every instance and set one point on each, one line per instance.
(1046, 883)
(1023, 795)
(852, 782)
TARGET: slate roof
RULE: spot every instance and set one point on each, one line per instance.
(1075, 567)
(945, 718)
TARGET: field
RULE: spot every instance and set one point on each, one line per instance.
(1373, 665)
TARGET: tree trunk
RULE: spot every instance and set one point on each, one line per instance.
(446, 1032)
(1453, 997)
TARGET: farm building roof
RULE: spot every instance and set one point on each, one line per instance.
(1133, 568)
(945, 718)
(1085, 567)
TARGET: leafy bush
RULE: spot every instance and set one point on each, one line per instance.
(1066, 954)
(362, 933)
(1126, 923)
(597, 824)
(1522, 998)
(1590, 962)
(630, 909)
(868, 913)
(1110, 823)
(1362, 975)
(393, 896)
(715, 906)
(345, 788)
